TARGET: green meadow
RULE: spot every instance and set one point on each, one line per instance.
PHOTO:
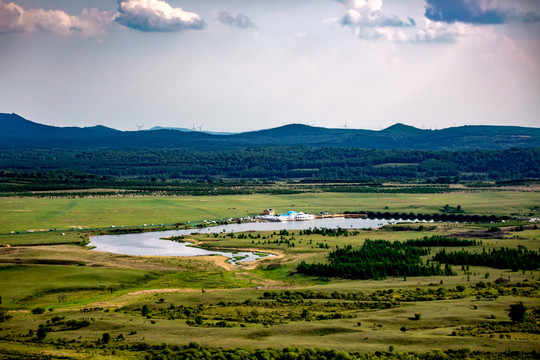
(23, 214)
(155, 306)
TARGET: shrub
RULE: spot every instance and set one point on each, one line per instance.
(481, 285)
(41, 332)
(77, 324)
(4, 316)
(38, 310)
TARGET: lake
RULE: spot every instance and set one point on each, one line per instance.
(150, 243)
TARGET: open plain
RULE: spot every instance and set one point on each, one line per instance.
(51, 280)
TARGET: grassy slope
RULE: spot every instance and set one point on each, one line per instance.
(22, 214)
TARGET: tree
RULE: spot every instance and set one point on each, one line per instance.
(518, 312)
(198, 320)
(106, 338)
(145, 310)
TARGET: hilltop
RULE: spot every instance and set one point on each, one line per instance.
(17, 132)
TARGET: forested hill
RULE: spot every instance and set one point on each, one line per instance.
(17, 132)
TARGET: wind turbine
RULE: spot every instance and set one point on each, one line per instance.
(193, 128)
(200, 127)
(139, 127)
(345, 125)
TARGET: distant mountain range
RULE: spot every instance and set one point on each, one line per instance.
(17, 132)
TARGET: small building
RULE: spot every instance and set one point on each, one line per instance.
(269, 212)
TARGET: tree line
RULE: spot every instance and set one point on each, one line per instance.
(503, 258)
(280, 162)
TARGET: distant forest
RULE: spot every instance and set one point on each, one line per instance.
(279, 162)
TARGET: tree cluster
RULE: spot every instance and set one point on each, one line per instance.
(376, 259)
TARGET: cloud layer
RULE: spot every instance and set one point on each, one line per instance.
(156, 15)
(240, 21)
(445, 20)
(142, 15)
(479, 12)
(14, 18)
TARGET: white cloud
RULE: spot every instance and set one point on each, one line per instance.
(367, 13)
(370, 5)
(156, 15)
(366, 19)
(14, 18)
(10, 17)
(442, 32)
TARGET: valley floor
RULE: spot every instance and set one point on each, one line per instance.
(61, 300)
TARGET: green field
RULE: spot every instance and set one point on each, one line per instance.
(22, 214)
(256, 306)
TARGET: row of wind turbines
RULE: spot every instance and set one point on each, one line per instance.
(199, 128)
(193, 128)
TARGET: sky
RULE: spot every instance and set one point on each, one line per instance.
(243, 65)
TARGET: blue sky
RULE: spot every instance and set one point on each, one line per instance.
(239, 65)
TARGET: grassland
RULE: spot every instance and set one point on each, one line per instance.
(70, 282)
(22, 214)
